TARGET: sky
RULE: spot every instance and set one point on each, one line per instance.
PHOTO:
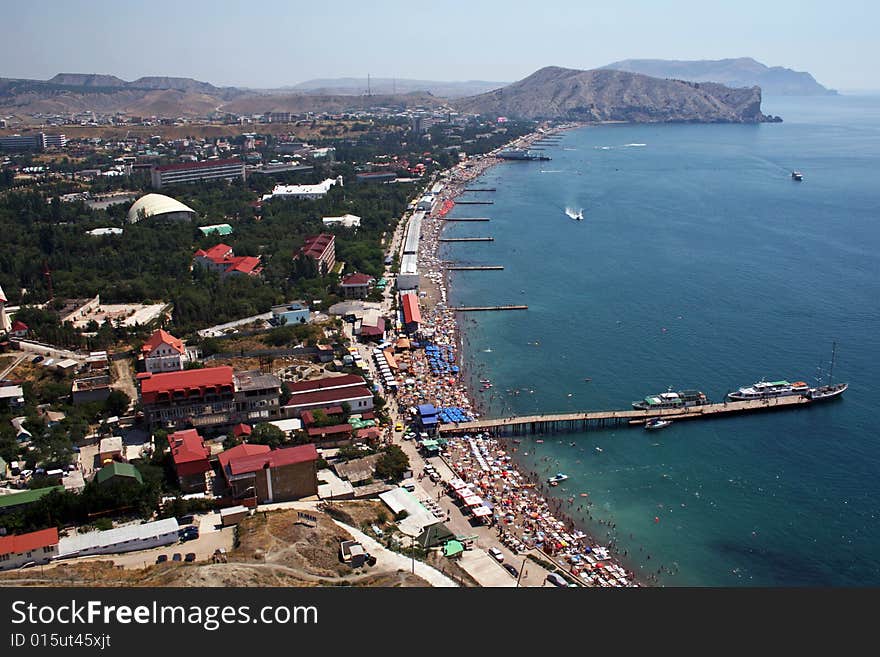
(273, 43)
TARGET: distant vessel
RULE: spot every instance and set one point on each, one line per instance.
(829, 390)
(797, 175)
(657, 423)
(521, 154)
(576, 215)
(558, 477)
(769, 389)
(670, 399)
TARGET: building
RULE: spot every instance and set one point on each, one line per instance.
(190, 172)
(36, 142)
(322, 249)
(118, 472)
(412, 316)
(425, 203)
(202, 398)
(371, 326)
(218, 229)
(162, 352)
(110, 450)
(353, 553)
(257, 397)
(16, 501)
(376, 176)
(191, 459)
(18, 330)
(221, 259)
(121, 539)
(295, 312)
(36, 547)
(161, 207)
(276, 476)
(309, 192)
(12, 396)
(408, 278)
(89, 389)
(237, 452)
(98, 361)
(346, 220)
(330, 391)
(5, 324)
(356, 286)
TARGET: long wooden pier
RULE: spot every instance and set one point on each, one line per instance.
(475, 267)
(479, 189)
(475, 202)
(467, 218)
(467, 239)
(470, 309)
(578, 422)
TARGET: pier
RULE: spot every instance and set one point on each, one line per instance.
(467, 218)
(579, 422)
(475, 202)
(475, 268)
(467, 239)
(479, 189)
(470, 309)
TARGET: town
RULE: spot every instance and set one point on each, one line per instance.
(211, 342)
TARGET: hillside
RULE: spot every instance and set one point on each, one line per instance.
(608, 95)
(741, 72)
(358, 86)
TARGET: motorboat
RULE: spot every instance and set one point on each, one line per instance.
(657, 423)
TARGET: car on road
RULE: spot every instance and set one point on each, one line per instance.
(176, 557)
(188, 534)
(162, 558)
(190, 557)
(513, 571)
(495, 553)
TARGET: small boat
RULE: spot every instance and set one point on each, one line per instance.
(657, 423)
(797, 175)
(598, 449)
(558, 477)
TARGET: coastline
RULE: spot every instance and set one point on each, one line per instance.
(533, 508)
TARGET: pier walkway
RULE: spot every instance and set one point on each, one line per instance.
(576, 422)
(466, 218)
(476, 308)
(466, 239)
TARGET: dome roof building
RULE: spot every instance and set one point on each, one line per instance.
(159, 206)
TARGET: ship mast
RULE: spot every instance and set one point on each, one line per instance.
(833, 357)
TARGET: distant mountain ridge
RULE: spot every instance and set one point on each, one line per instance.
(739, 72)
(610, 95)
(345, 86)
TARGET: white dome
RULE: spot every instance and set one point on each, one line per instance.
(152, 205)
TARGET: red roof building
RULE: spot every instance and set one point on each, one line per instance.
(412, 316)
(327, 383)
(274, 476)
(242, 429)
(238, 452)
(162, 338)
(220, 258)
(329, 392)
(18, 329)
(162, 352)
(356, 286)
(191, 459)
(322, 249)
(38, 547)
(199, 397)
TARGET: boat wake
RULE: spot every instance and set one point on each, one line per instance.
(633, 145)
(551, 170)
(577, 215)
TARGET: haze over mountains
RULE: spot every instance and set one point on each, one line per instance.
(391, 86)
(740, 72)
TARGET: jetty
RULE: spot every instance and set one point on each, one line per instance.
(475, 202)
(579, 422)
(466, 239)
(470, 309)
(479, 189)
(467, 218)
(475, 268)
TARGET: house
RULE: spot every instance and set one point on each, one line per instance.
(412, 316)
(18, 329)
(35, 547)
(162, 352)
(191, 459)
(242, 431)
(428, 418)
(109, 450)
(116, 471)
(237, 452)
(221, 259)
(17, 501)
(356, 286)
(121, 539)
(98, 361)
(276, 476)
(91, 388)
(12, 396)
(371, 327)
(322, 249)
(333, 435)
(257, 396)
(22, 435)
(295, 312)
(353, 553)
(346, 220)
(202, 397)
(329, 391)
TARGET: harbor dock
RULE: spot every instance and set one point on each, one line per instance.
(578, 422)
(466, 239)
(482, 308)
(467, 218)
(475, 268)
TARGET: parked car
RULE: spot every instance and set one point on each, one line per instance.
(162, 558)
(496, 554)
(556, 579)
(37, 359)
(176, 557)
(188, 534)
(190, 557)
(513, 571)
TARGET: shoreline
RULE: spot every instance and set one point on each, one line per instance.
(531, 509)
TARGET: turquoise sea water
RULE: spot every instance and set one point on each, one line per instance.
(699, 264)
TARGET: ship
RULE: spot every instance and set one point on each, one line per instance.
(669, 399)
(521, 154)
(797, 175)
(829, 390)
(769, 390)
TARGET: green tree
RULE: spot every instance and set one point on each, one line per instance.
(268, 434)
(392, 464)
(117, 403)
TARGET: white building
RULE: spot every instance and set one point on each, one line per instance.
(5, 324)
(346, 220)
(164, 353)
(36, 547)
(188, 172)
(159, 206)
(121, 539)
(304, 191)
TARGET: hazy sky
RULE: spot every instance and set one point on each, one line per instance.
(268, 43)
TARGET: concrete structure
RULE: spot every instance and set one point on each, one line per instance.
(162, 352)
(426, 203)
(309, 192)
(121, 539)
(353, 553)
(190, 172)
(12, 396)
(191, 459)
(329, 391)
(276, 476)
(322, 249)
(201, 398)
(346, 221)
(220, 258)
(418, 517)
(109, 450)
(233, 515)
(257, 397)
(36, 547)
(356, 286)
(289, 426)
(408, 278)
(376, 176)
(89, 389)
(36, 142)
(295, 312)
(159, 206)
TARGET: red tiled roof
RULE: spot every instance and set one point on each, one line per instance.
(325, 383)
(27, 542)
(197, 165)
(357, 279)
(241, 451)
(330, 396)
(411, 312)
(244, 264)
(317, 245)
(161, 337)
(242, 429)
(379, 329)
(275, 459)
(186, 380)
(330, 431)
(18, 326)
(187, 446)
(216, 253)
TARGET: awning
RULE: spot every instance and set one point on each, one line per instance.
(452, 549)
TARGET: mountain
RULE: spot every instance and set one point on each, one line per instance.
(609, 95)
(358, 86)
(86, 80)
(177, 84)
(741, 72)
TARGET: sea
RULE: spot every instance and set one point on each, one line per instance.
(699, 263)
